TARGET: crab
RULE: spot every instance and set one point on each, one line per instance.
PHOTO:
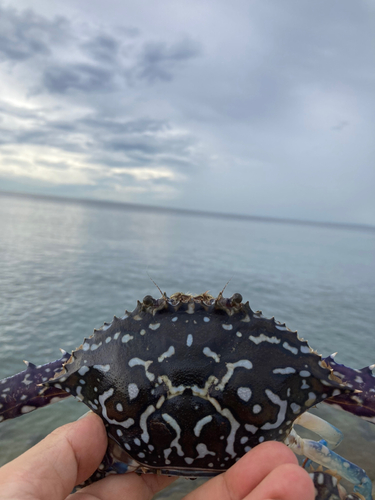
(187, 384)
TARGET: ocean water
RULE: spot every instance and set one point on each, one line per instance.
(66, 267)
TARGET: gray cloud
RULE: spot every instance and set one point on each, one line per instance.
(118, 149)
(103, 48)
(110, 70)
(267, 97)
(80, 77)
(24, 34)
(144, 137)
(142, 125)
(103, 61)
(158, 60)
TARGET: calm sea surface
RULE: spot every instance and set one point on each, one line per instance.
(66, 267)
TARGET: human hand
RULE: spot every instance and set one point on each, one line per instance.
(69, 455)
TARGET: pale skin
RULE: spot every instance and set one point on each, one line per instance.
(69, 455)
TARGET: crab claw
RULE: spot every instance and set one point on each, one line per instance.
(25, 391)
(362, 401)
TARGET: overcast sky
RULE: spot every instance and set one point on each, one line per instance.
(262, 107)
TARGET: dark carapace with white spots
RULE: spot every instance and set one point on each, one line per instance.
(186, 385)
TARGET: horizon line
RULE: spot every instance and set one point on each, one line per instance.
(186, 211)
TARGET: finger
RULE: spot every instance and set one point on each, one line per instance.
(53, 467)
(131, 485)
(246, 474)
(286, 482)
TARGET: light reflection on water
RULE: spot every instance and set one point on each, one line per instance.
(67, 268)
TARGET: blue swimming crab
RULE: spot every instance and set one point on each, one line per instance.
(187, 384)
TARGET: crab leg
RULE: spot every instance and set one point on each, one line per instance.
(328, 488)
(115, 461)
(327, 431)
(361, 404)
(319, 453)
(22, 393)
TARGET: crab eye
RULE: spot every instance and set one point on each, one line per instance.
(148, 300)
(236, 298)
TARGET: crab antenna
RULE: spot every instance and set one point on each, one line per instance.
(163, 294)
(226, 284)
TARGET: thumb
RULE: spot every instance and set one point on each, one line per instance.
(52, 468)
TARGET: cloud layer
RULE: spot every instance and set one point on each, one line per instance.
(266, 109)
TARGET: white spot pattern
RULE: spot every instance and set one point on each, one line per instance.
(264, 338)
(312, 398)
(133, 391)
(305, 349)
(146, 364)
(203, 451)
(284, 371)
(199, 425)
(126, 338)
(166, 354)
(243, 363)
(154, 326)
(210, 354)
(281, 415)
(102, 401)
(295, 408)
(102, 368)
(83, 370)
(290, 348)
(227, 327)
(24, 381)
(251, 428)
(244, 393)
(27, 409)
(143, 423)
(172, 422)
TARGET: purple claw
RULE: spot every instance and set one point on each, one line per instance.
(362, 403)
(22, 393)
